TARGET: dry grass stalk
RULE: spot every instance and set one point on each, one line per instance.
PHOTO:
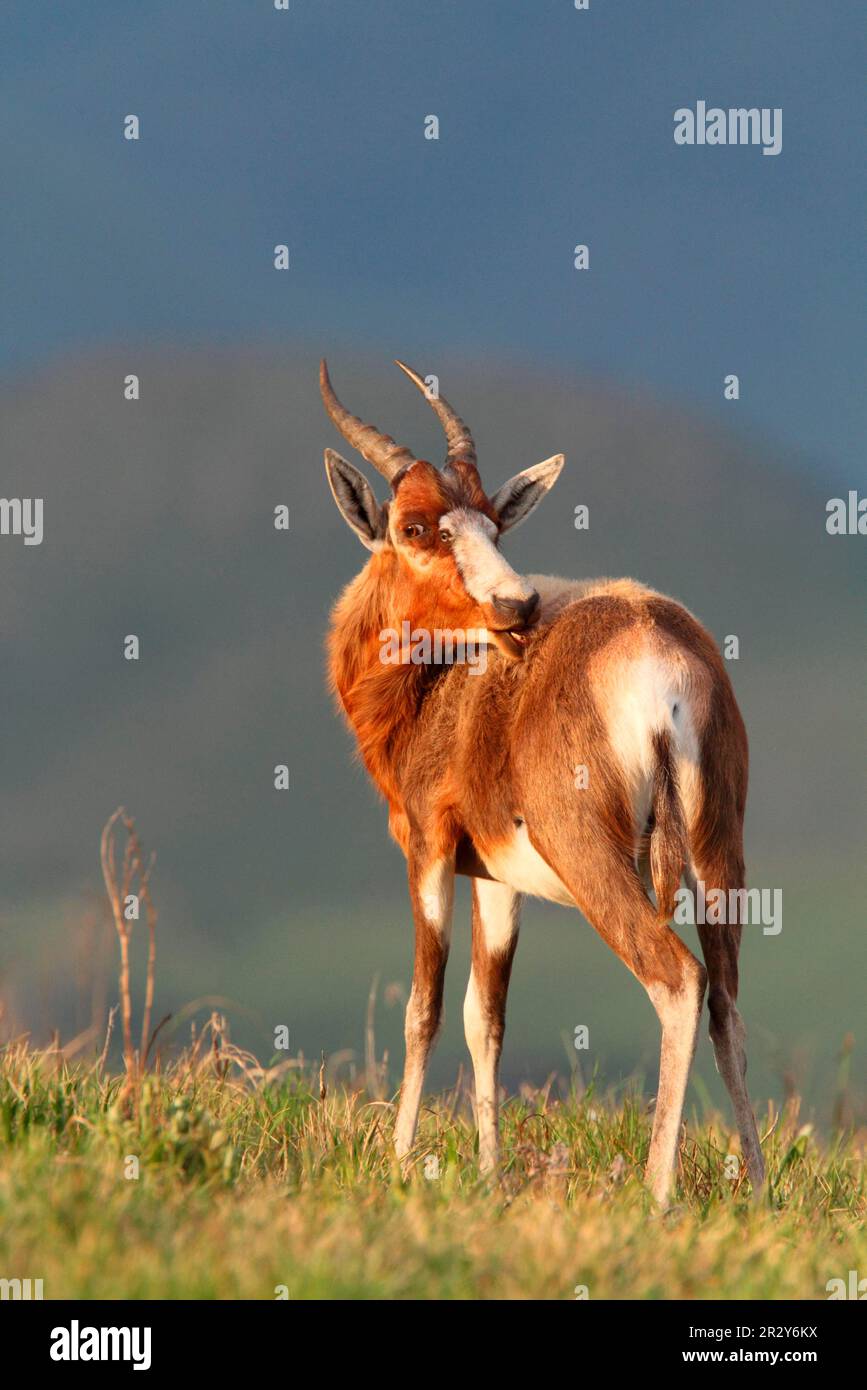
(132, 879)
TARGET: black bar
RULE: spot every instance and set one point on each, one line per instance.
(264, 1337)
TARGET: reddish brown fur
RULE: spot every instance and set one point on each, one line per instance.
(458, 755)
(384, 702)
(668, 848)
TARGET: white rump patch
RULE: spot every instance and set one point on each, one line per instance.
(645, 696)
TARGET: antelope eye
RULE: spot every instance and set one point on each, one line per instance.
(415, 528)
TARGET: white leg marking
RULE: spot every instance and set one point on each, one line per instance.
(436, 898)
(437, 894)
(497, 915)
(679, 1013)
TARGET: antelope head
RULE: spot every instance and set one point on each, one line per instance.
(439, 526)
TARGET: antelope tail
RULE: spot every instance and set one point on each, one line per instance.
(668, 840)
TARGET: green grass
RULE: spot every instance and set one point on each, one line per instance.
(247, 1181)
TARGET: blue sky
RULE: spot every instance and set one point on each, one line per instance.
(306, 127)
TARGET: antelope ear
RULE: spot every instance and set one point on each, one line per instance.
(521, 495)
(355, 500)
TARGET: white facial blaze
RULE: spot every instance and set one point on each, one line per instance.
(483, 569)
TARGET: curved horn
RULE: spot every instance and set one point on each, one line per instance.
(458, 437)
(378, 448)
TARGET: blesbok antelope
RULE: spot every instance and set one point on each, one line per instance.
(478, 768)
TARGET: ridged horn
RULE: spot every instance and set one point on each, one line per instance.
(379, 449)
(458, 438)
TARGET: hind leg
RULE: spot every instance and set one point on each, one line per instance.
(679, 1011)
(720, 945)
(606, 886)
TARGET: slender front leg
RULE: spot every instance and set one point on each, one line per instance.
(496, 917)
(431, 887)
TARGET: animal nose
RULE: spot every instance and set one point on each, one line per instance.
(522, 610)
